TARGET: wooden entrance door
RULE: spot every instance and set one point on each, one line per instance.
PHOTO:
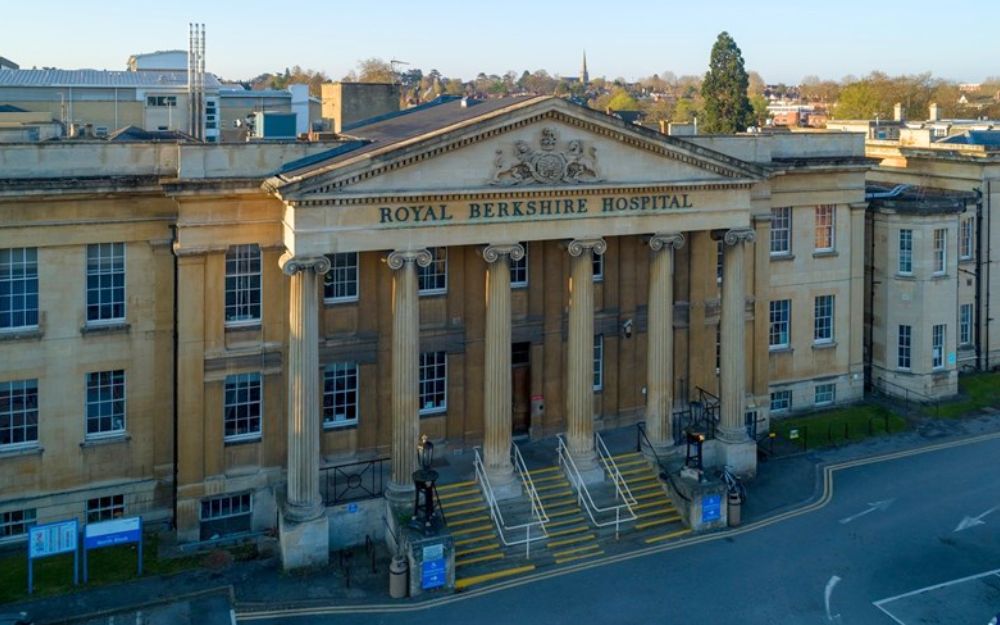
(520, 388)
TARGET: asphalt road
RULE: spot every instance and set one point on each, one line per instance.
(888, 529)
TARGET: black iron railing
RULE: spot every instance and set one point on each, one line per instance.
(354, 482)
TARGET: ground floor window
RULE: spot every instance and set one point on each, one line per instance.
(243, 407)
(825, 394)
(781, 401)
(14, 524)
(226, 515)
(598, 362)
(105, 508)
(433, 382)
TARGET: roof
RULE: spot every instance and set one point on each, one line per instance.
(134, 133)
(7, 108)
(230, 92)
(97, 78)
(974, 137)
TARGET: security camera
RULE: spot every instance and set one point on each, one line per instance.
(627, 328)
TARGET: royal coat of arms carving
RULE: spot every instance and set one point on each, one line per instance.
(549, 165)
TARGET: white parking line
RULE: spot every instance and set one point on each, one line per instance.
(880, 604)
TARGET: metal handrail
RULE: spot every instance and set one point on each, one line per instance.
(497, 515)
(621, 487)
(641, 436)
(583, 493)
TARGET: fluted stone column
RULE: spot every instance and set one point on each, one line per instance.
(497, 392)
(738, 451)
(580, 357)
(304, 537)
(660, 335)
(405, 369)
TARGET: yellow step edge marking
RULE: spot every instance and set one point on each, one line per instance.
(579, 557)
(464, 512)
(649, 513)
(645, 524)
(458, 493)
(557, 501)
(470, 530)
(454, 485)
(642, 480)
(632, 463)
(465, 552)
(641, 470)
(649, 504)
(475, 539)
(469, 521)
(649, 487)
(560, 513)
(534, 472)
(462, 502)
(569, 552)
(479, 579)
(628, 454)
(578, 519)
(568, 541)
(668, 536)
(567, 532)
(552, 486)
(493, 556)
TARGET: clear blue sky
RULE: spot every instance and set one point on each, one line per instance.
(781, 41)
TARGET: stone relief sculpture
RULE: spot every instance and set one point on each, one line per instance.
(574, 165)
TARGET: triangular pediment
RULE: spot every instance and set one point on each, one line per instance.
(539, 143)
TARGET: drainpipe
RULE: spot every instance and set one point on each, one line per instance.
(173, 241)
(979, 279)
(989, 264)
(869, 326)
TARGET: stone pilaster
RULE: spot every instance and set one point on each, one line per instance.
(304, 535)
(580, 356)
(660, 336)
(738, 451)
(405, 369)
(497, 392)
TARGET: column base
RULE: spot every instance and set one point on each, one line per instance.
(504, 483)
(304, 544)
(740, 457)
(664, 450)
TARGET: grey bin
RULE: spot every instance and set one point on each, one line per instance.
(734, 510)
(398, 577)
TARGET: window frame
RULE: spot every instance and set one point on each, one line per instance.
(775, 324)
(829, 389)
(244, 285)
(598, 381)
(597, 266)
(781, 222)
(248, 496)
(904, 347)
(343, 277)
(518, 268)
(965, 315)
(823, 332)
(440, 395)
(22, 272)
(905, 252)
(95, 311)
(105, 508)
(100, 383)
(965, 240)
(348, 373)
(9, 524)
(242, 409)
(9, 413)
(940, 253)
(783, 399)
(436, 271)
(825, 213)
(939, 333)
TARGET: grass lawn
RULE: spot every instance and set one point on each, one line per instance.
(54, 575)
(825, 429)
(975, 392)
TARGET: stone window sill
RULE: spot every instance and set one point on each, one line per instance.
(34, 450)
(825, 253)
(940, 276)
(232, 442)
(21, 335)
(107, 440)
(781, 350)
(338, 426)
(437, 412)
(248, 327)
(329, 303)
(782, 257)
(106, 328)
(908, 277)
(826, 345)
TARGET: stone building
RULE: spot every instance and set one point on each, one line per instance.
(191, 332)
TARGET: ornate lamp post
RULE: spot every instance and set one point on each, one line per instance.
(425, 515)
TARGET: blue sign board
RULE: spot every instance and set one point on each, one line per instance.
(711, 508)
(111, 533)
(434, 569)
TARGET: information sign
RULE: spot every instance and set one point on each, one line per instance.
(434, 568)
(52, 539)
(711, 508)
(111, 533)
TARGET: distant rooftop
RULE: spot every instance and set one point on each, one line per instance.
(97, 78)
(974, 137)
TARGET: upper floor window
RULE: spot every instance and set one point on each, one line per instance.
(598, 362)
(780, 317)
(781, 231)
(720, 260)
(904, 347)
(18, 288)
(823, 319)
(826, 215)
(940, 251)
(242, 407)
(965, 240)
(161, 100)
(937, 346)
(906, 252)
(243, 284)
(18, 414)
(340, 394)
(598, 266)
(340, 284)
(106, 282)
(965, 324)
(105, 403)
(433, 279)
(519, 270)
(433, 382)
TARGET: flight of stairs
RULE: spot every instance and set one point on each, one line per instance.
(654, 510)
(570, 534)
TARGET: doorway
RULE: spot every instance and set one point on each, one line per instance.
(520, 388)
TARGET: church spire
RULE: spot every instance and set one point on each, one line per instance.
(584, 76)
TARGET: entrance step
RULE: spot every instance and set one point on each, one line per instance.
(472, 529)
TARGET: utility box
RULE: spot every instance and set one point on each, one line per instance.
(274, 125)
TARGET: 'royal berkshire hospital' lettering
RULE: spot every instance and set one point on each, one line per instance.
(520, 209)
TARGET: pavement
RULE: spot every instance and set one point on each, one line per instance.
(790, 480)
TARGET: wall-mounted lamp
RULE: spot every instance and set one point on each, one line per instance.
(627, 328)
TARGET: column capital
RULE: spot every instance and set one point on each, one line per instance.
(737, 236)
(397, 259)
(666, 240)
(577, 247)
(290, 265)
(493, 252)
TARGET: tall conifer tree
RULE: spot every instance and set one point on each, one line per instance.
(727, 107)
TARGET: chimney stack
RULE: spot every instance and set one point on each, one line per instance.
(935, 113)
(898, 112)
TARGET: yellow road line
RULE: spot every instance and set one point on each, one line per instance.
(479, 579)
